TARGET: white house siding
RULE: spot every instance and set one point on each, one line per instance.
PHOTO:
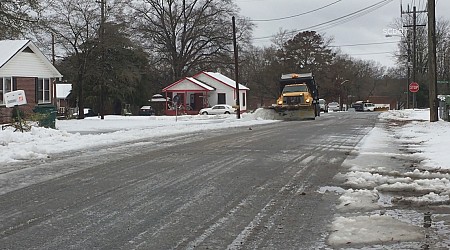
(223, 88)
(241, 101)
(26, 64)
(186, 85)
(220, 88)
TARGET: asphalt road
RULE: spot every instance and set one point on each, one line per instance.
(250, 188)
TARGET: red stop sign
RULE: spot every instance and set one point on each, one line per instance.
(414, 87)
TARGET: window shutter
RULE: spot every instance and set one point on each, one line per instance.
(36, 87)
(14, 87)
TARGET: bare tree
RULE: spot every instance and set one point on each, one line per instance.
(260, 71)
(188, 34)
(74, 26)
(420, 55)
(443, 55)
(15, 16)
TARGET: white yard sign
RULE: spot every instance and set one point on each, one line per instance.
(14, 98)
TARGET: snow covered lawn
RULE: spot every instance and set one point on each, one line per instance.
(69, 135)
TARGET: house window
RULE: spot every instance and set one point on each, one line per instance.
(43, 90)
(243, 99)
(5, 87)
(221, 98)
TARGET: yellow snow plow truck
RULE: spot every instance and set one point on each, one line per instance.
(299, 98)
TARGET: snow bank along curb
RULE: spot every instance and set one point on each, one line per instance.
(395, 203)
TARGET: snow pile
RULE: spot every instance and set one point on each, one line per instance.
(402, 162)
(265, 114)
(359, 200)
(91, 132)
(371, 229)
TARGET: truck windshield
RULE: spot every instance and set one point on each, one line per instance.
(295, 88)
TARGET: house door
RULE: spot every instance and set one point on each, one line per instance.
(198, 101)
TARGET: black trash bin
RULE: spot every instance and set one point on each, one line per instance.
(48, 117)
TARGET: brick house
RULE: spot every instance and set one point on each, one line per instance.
(24, 67)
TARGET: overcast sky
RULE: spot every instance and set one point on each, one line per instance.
(370, 26)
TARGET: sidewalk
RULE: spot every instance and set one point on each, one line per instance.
(395, 190)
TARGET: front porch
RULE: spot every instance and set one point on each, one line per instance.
(185, 103)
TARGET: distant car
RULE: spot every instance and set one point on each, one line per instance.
(358, 106)
(333, 106)
(88, 112)
(146, 110)
(323, 105)
(368, 106)
(217, 110)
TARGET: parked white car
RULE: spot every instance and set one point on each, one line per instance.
(333, 106)
(368, 106)
(218, 110)
(323, 105)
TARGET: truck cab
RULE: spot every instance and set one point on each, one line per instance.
(295, 94)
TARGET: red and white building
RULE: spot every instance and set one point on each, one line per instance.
(204, 89)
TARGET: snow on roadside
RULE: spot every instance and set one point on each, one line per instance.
(371, 229)
(374, 171)
(40, 143)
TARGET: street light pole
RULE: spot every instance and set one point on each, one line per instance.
(340, 93)
(236, 70)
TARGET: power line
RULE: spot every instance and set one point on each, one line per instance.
(297, 15)
(339, 20)
(359, 44)
(350, 18)
(371, 53)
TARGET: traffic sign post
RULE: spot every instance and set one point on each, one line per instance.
(414, 88)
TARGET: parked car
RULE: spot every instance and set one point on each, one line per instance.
(323, 105)
(217, 110)
(363, 106)
(368, 106)
(146, 110)
(333, 106)
(88, 112)
(358, 106)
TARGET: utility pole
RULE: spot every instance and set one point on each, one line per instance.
(236, 69)
(408, 81)
(102, 47)
(432, 69)
(53, 49)
(414, 45)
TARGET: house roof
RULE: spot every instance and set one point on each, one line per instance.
(223, 79)
(201, 84)
(10, 48)
(192, 80)
(63, 90)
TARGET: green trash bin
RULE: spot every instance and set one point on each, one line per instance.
(447, 108)
(48, 117)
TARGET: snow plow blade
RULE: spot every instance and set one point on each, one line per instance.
(287, 113)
